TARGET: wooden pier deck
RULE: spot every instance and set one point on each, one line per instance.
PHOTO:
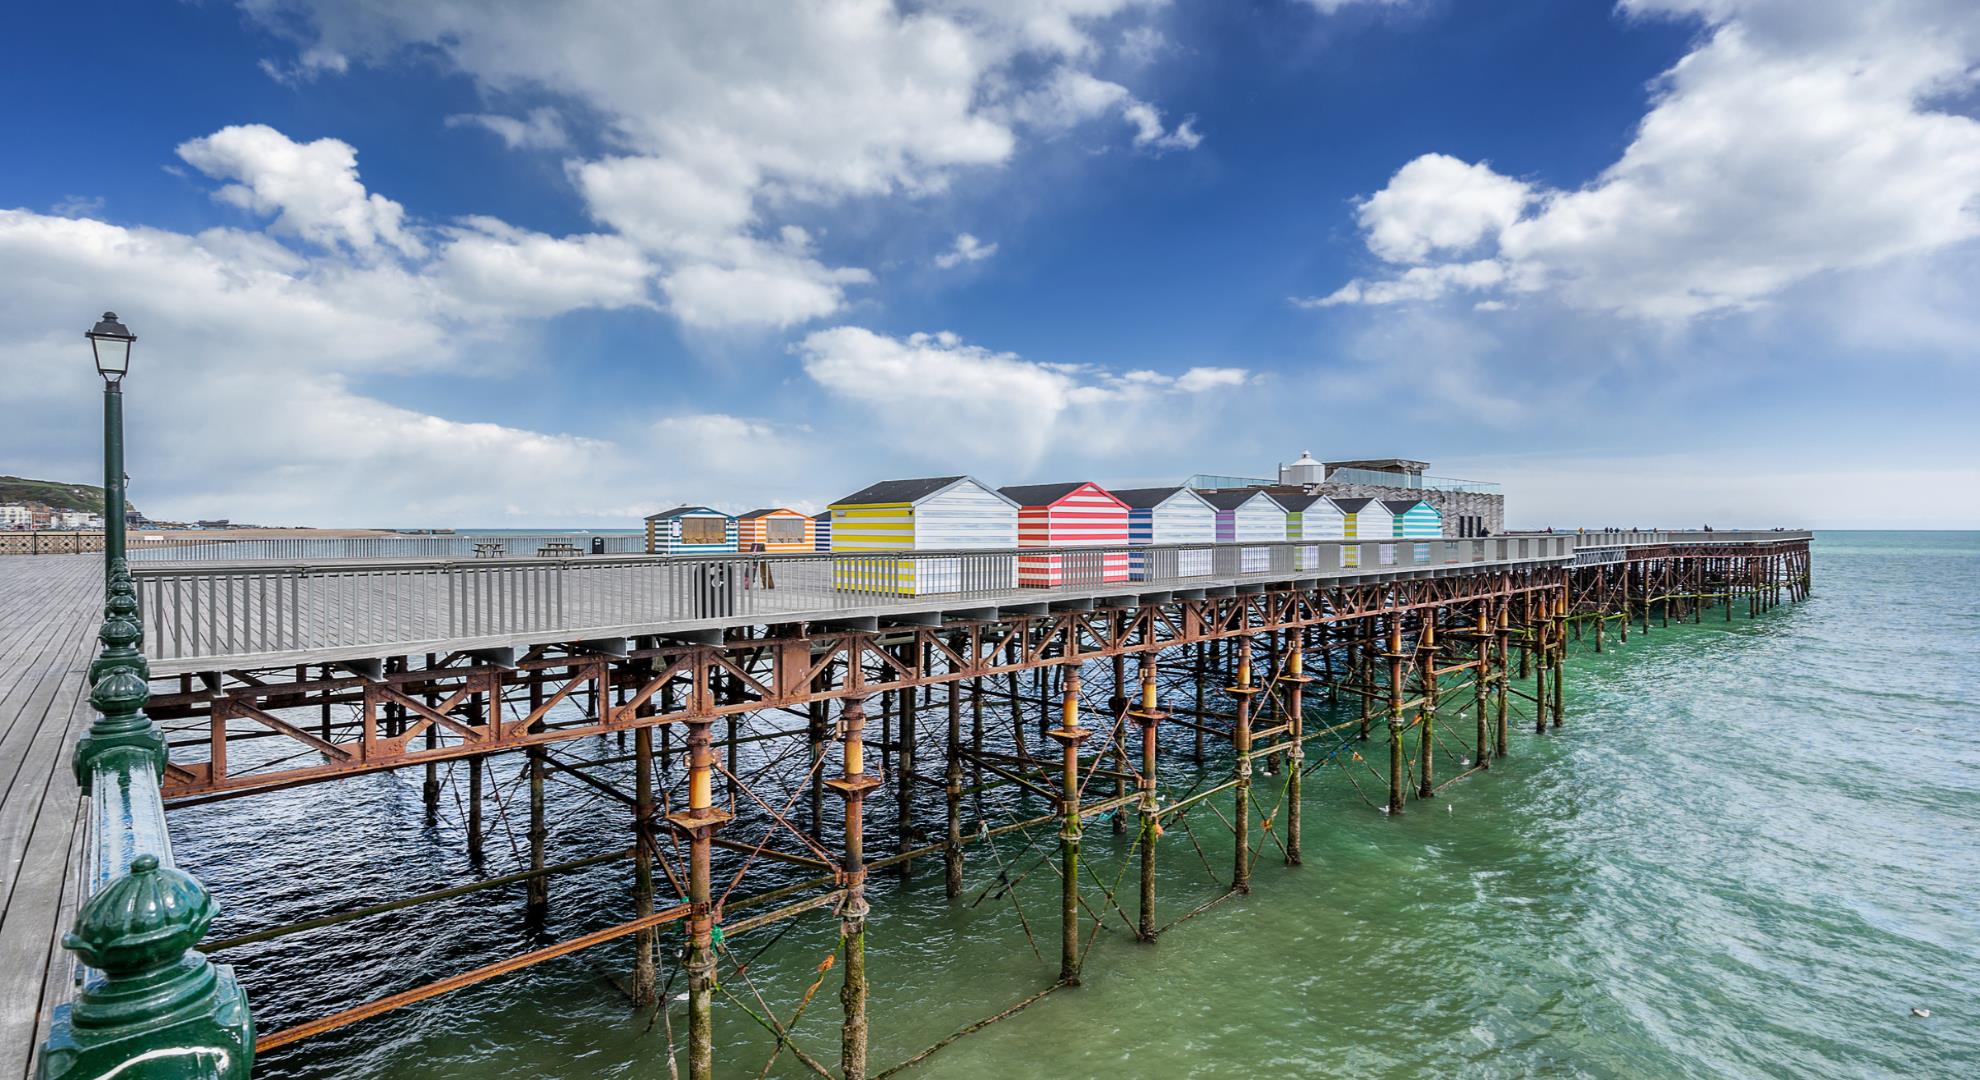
(50, 609)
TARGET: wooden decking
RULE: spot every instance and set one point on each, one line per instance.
(50, 608)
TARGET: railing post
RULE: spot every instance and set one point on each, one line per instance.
(160, 1009)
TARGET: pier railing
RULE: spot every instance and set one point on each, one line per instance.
(160, 547)
(284, 612)
(292, 612)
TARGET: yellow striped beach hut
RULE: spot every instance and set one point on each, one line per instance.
(930, 514)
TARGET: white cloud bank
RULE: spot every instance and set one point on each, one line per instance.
(934, 394)
(729, 115)
(1800, 136)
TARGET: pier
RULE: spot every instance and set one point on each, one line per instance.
(904, 705)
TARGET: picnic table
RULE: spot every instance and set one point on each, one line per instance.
(560, 549)
(489, 549)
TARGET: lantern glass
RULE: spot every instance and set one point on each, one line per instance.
(111, 342)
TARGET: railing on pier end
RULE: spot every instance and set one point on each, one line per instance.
(147, 1004)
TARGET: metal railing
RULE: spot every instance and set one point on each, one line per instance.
(161, 547)
(217, 612)
(284, 612)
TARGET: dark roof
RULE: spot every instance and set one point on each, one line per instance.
(1230, 500)
(900, 491)
(765, 512)
(1293, 503)
(1039, 494)
(684, 511)
(1143, 498)
(822, 515)
(1387, 464)
(1400, 507)
(1352, 506)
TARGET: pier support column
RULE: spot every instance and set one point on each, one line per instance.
(539, 834)
(1482, 680)
(1069, 735)
(853, 786)
(1295, 678)
(644, 978)
(1241, 746)
(1149, 713)
(952, 787)
(1561, 648)
(905, 761)
(1501, 642)
(1395, 657)
(1426, 653)
(1539, 648)
(1116, 715)
(698, 824)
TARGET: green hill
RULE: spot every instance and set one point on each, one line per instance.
(15, 489)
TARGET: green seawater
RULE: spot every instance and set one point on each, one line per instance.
(1751, 852)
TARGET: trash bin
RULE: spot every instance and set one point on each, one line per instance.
(598, 545)
(714, 591)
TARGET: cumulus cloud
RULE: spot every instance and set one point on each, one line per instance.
(1795, 139)
(966, 249)
(311, 189)
(541, 129)
(726, 114)
(934, 390)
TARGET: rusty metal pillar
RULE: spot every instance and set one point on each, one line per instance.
(697, 824)
(853, 786)
(1295, 678)
(1149, 713)
(1395, 657)
(1500, 681)
(1241, 744)
(1540, 647)
(538, 903)
(1426, 652)
(1116, 715)
(1560, 652)
(1481, 681)
(952, 788)
(1069, 735)
(646, 941)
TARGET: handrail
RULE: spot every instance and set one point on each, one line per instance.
(145, 994)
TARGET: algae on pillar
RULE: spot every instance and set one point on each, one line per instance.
(853, 786)
(1150, 714)
(1069, 735)
(1241, 742)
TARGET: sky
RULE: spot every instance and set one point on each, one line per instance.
(507, 264)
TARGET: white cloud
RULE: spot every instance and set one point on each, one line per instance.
(1416, 283)
(728, 113)
(967, 249)
(935, 394)
(541, 129)
(312, 189)
(1330, 7)
(1796, 139)
(1438, 204)
(78, 206)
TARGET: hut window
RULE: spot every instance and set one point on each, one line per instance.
(783, 530)
(702, 530)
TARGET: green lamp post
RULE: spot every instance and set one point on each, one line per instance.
(111, 341)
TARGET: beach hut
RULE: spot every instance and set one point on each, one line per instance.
(821, 531)
(1365, 519)
(1415, 519)
(1249, 517)
(1165, 516)
(1310, 517)
(774, 529)
(690, 530)
(1078, 514)
(939, 513)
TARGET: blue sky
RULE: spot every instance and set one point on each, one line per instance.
(504, 263)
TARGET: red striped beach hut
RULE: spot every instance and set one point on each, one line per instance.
(1078, 514)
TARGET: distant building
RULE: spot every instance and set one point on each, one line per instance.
(1464, 508)
(16, 515)
(74, 519)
